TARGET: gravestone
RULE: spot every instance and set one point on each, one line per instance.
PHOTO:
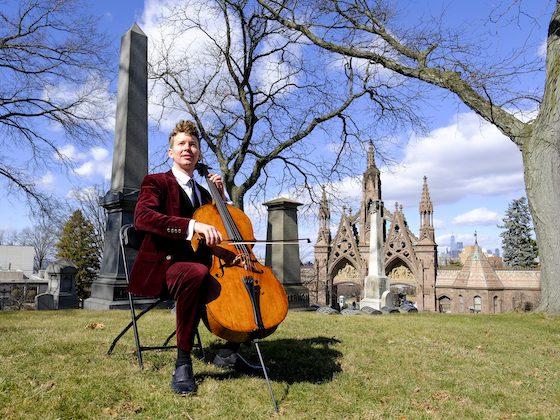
(284, 258)
(349, 311)
(130, 165)
(61, 291)
(327, 310)
(370, 311)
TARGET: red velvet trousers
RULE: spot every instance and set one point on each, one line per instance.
(185, 283)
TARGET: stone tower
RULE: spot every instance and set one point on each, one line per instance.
(426, 255)
(322, 251)
(371, 193)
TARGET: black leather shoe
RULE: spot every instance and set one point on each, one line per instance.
(238, 363)
(182, 381)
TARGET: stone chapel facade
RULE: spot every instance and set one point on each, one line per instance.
(341, 263)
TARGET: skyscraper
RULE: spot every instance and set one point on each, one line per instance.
(453, 247)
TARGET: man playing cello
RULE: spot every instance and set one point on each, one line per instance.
(166, 264)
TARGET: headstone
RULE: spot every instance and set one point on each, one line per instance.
(390, 310)
(376, 282)
(284, 258)
(370, 311)
(327, 310)
(61, 291)
(130, 165)
(349, 311)
(405, 309)
(387, 298)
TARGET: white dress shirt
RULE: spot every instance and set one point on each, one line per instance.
(184, 181)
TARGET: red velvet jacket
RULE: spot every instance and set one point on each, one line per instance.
(160, 215)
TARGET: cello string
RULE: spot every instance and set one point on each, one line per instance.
(232, 229)
(227, 219)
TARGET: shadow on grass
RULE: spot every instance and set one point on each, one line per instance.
(312, 360)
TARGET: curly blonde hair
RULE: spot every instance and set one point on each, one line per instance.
(183, 126)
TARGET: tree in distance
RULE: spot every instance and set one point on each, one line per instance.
(519, 247)
(78, 244)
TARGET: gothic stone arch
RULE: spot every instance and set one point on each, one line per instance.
(444, 304)
(347, 280)
(402, 277)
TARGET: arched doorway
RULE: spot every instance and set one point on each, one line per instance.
(347, 285)
(496, 305)
(444, 304)
(402, 282)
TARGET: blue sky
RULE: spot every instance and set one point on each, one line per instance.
(473, 171)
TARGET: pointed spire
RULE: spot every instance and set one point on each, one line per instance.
(475, 238)
(426, 213)
(324, 211)
(324, 234)
(371, 156)
(426, 202)
(371, 191)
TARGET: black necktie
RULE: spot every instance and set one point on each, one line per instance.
(194, 200)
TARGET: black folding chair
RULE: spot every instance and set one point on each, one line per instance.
(130, 241)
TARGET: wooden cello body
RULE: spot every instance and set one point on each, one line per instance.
(245, 300)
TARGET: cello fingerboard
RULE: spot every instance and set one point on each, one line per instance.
(254, 291)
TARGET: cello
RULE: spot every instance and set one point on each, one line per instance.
(245, 300)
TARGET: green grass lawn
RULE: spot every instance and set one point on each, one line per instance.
(361, 367)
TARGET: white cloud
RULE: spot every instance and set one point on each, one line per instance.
(47, 181)
(70, 153)
(99, 153)
(468, 157)
(92, 100)
(542, 49)
(86, 169)
(478, 216)
(94, 162)
(98, 162)
(439, 223)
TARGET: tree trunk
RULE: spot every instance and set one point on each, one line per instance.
(541, 161)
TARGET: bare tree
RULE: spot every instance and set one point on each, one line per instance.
(9, 237)
(257, 90)
(51, 66)
(42, 237)
(356, 28)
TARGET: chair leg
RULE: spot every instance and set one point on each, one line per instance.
(256, 344)
(130, 325)
(199, 341)
(198, 344)
(135, 329)
(166, 342)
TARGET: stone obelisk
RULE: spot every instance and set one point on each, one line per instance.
(376, 282)
(130, 165)
(284, 258)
